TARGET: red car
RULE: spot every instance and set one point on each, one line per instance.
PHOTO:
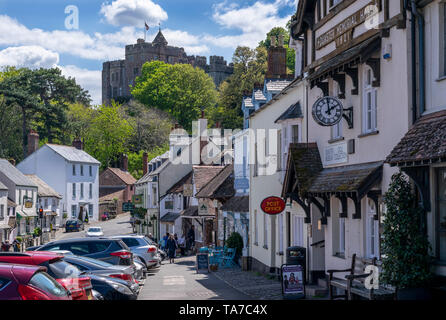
(64, 273)
(29, 283)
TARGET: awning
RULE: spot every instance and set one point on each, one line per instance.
(293, 112)
(192, 213)
(26, 214)
(170, 217)
(4, 226)
(423, 144)
(357, 179)
(50, 213)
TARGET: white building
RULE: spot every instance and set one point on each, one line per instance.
(4, 226)
(72, 172)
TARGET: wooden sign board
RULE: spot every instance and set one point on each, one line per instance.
(188, 190)
(344, 30)
(202, 263)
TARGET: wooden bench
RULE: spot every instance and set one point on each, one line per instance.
(353, 284)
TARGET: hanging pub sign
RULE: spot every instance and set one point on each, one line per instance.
(137, 199)
(202, 209)
(28, 203)
(273, 205)
(188, 190)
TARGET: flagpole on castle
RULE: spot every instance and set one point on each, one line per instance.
(146, 28)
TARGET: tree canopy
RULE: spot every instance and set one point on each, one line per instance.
(180, 90)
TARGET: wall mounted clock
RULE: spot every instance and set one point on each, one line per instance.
(327, 111)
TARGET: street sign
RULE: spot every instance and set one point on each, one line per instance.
(202, 263)
(293, 286)
(128, 207)
(241, 184)
(273, 205)
(188, 190)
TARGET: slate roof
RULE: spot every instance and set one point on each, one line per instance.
(293, 112)
(356, 178)
(125, 176)
(3, 187)
(192, 211)
(215, 185)
(160, 39)
(258, 95)
(304, 163)
(44, 190)
(149, 175)
(203, 174)
(426, 140)
(248, 102)
(14, 174)
(72, 154)
(178, 187)
(111, 196)
(277, 85)
(170, 217)
(236, 204)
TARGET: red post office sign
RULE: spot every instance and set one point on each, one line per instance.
(273, 205)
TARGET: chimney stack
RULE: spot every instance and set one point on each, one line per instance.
(12, 161)
(276, 59)
(145, 158)
(124, 162)
(33, 141)
(77, 143)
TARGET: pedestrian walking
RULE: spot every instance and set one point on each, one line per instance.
(182, 245)
(191, 238)
(171, 248)
(16, 245)
(6, 246)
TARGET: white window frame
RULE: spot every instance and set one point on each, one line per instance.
(369, 102)
(2, 211)
(82, 170)
(90, 210)
(73, 212)
(82, 191)
(372, 231)
(91, 171)
(90, 192)
(74, 190)
(74, 169)
(341, 246)
(298, 231)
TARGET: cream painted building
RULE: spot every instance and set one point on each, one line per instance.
(356, 53)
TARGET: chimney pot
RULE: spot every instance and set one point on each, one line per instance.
(33, 141)
(202, 114)
(145, 157)
(12, 161)
(77, 143)
(125, 163)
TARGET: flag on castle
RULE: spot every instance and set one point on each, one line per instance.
(147, 26)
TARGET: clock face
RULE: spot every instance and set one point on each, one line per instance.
(327, 111)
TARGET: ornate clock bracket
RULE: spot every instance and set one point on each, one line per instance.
(348, 116)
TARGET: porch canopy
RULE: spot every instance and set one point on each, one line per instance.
(424, 144)
(170, 217)
(26, 214)
(306, 181)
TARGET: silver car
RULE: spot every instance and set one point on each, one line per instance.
(141, 248)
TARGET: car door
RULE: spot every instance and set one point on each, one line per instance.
(77, 248)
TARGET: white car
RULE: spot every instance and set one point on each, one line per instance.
(95, 232)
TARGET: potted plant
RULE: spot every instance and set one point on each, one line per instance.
(405, 247)
(235, 241)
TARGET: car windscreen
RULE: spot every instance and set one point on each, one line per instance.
(94, 230)
(150, 242)
(43, 281)
(62, 269)
(131, 242)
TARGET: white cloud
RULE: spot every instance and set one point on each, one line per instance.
(28, 56)
(88, 79)
(254, 22)
(192, 44)
(133, 12)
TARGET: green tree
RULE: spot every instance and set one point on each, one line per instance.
(10, 137)
(181, 90)
(108, 134)
(405, 247)
(135, 159)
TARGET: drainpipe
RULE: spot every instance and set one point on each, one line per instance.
(421, 74)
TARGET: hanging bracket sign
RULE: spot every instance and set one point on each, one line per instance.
(273, 205)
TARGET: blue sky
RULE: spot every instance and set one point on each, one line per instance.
(35, 34)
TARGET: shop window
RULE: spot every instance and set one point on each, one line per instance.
(369, 111)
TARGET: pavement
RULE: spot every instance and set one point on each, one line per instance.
(180, 281)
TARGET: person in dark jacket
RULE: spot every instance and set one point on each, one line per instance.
(171, 246)
(191, 237)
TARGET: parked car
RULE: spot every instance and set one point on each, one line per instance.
(67, 275)
(74, 225)
(141, 248)
(19, 282)
(113, 251)
(112, 288)
(103, 269)
(33, 248)
(95, 232)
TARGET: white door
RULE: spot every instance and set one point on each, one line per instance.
(372, 231)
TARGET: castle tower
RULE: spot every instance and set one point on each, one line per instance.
(276, 59)
(160, 40)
